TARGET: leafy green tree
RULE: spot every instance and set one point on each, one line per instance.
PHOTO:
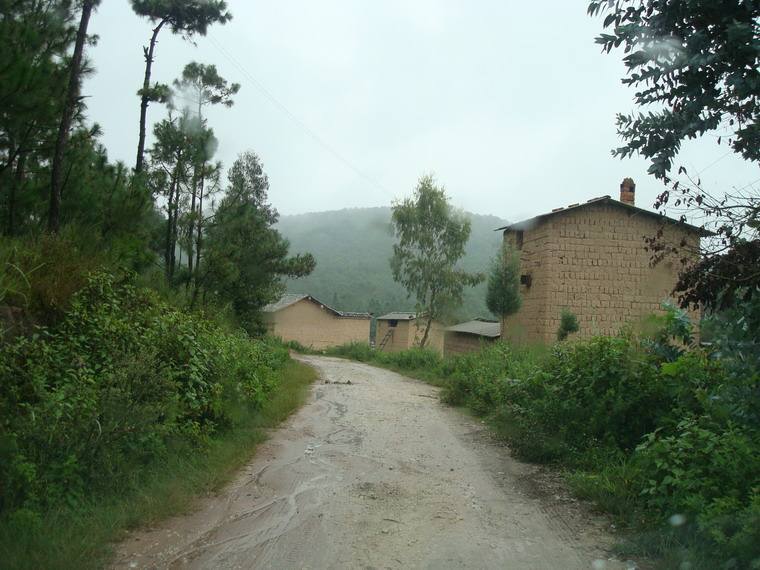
(181, 142)
(246, 259)
(503, 294)
(204, 86)
(697, 62)
(67, 116)
(187, 18)
(696, 66)
(431, 239)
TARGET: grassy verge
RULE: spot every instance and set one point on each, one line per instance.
(80, 537)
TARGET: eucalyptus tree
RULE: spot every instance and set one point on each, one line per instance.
(186, 18)
(430, 240)
(204, 86)
(67, 116)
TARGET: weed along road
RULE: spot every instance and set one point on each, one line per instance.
(374, 472)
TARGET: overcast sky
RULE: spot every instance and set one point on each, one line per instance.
(509, 103)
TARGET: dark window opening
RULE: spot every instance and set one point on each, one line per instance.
(393, 323)
(519, 236)
(526, 280)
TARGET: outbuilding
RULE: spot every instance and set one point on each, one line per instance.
(312, 323)
(401, 331)
(470, 336)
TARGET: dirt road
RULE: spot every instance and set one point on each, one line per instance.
(375, 473)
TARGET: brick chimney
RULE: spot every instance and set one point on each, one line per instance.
(628, 191)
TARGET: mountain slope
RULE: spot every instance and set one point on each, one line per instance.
(352, 248)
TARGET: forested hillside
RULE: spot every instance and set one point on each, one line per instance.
(352, 248)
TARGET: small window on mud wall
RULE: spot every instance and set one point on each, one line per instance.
(526, 280)
(393, 323)
(519, 236)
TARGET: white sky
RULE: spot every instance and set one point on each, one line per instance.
(509, 103)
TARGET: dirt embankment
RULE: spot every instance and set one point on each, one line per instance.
(375, 473)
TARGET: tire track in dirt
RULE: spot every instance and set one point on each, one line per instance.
(375, 473)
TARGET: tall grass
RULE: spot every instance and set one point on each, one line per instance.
(80, 536)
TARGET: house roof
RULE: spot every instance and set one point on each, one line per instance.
(289, 299)
(478, 327)
(398, 316)
(605, 200)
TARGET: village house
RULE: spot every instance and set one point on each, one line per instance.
(402, 331)
(591, 259)
(304, 319)
(470, 336)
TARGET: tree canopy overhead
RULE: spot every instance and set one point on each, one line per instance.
(696, 63)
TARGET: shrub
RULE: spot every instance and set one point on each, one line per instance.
(120, 378)
(568, 324)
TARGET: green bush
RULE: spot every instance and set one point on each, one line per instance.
(123, 376)
(568, 324)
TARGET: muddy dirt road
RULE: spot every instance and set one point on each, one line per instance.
(374, 472)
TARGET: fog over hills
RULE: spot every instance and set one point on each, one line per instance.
(353, 247)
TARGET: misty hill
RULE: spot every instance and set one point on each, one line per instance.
(352, 248)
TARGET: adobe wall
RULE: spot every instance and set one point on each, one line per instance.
(315, 327)
(460, 343)
(407, 335)
(528, 324)
(596, 265)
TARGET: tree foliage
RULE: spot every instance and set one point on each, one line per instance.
(697, 62)
(186, 18)
(247, 259)
(696, 67)
(430, 240)
(503, 294)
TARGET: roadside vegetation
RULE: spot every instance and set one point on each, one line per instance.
(133, 373)
(120, 413)
(661, 433)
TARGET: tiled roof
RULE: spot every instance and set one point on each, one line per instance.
(607, 200)
(285, 301)
(289, 299)
(479, 327)
(398, 316)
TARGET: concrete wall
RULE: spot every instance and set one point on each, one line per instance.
(593, 262)
(460, 343)
(316, 327)
(407, 335)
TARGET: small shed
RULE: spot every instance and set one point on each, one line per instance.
(401, 331)
(314, 324)
(470, 336)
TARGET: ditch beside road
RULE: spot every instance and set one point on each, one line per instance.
(373, 473)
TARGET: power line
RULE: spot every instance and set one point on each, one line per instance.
(272, 99)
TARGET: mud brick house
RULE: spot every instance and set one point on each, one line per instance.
(304, 319)
(470, 336)
(402, 331)
(592, 259)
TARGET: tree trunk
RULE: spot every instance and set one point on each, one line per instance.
(430, 312)
(191, 229)
(15, 186)
(144, 99)
(199, 239)
(423, 342)
(67, 116)
(169, 212)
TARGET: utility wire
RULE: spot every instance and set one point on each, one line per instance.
(319, 140)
